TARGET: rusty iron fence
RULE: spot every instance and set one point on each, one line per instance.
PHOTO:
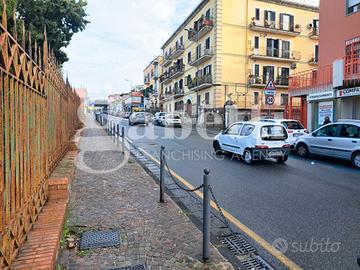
(38, 118)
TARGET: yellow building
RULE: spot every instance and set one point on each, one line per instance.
(230, 49)
(152, 85)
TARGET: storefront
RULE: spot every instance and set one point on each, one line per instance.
(320, 106)
(348, 103)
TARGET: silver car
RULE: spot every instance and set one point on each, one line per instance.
(339, 140)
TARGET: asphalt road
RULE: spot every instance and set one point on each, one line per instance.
(312, 205)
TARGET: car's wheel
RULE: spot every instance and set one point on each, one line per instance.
(302, 150)
(248, 157)
(217, 148)
(356, 159)
(282, 159)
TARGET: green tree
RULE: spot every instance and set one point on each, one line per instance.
(62, 18)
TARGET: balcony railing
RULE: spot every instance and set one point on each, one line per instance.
(352, 69)
(167, 60)
(201, 57)
(271, 27)
(269, 53)
(201, 27)
(312, 79)
(200, 82)
(178, 92)
(261, 81)
(176, 71)
(165, 78)
(176, 51)
(313, 59)
(314, 33)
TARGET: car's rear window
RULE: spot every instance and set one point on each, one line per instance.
(273, 133)
(293, 125)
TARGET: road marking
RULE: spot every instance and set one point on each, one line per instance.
(253, 235)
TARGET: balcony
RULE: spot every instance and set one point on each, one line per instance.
(270, 27)
(313, 60)
(176, 71)
(314, 80)
(203, 56)
(178, 92)
(352, 70)
(314, 33)
(281, 82)
(165, 78)
(201, 27)
(176, 51)
(199, 83)
(274, 54)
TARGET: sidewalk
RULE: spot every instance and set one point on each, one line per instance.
(126, 200)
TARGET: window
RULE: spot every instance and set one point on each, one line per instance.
(256, 98)
(257, 14)
(286, 22)
(234, 129)
(257, 70)
(349, 131)
(256, 42)
(181, 84)
(198, 98)
(207, 70)
(273, 133)
(181, 40)
(208, 14)
(247, 130)
(316, 54)
(207, 43)
(295, 125)
(352, 6)
(207, 98)
(188, 80)
(285, 49)
(270, 19)
(198, 51)
(268, 73)
(328, 131)
(272, 47)
(284, 99)
(189, 57)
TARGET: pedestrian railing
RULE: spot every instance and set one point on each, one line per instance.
(38, 117)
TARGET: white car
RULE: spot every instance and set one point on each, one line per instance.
(338, 140)
(159, 117)
(294, 129)
(172, 119)
(254, 141)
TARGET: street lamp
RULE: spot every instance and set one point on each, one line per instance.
(197, 71)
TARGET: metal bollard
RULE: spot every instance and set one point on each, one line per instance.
(123, 139)
(162, 174)
(206, 216)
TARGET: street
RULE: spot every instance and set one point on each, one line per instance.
(308, 206)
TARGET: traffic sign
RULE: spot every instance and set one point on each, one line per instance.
(270, 85)
(270, 100)
(270, 92)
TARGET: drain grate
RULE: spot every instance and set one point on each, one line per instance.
(238, 245)
(135, 267)
(99, 239)
(256, 263)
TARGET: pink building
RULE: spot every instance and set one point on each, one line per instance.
(82, 93)
(334, 87)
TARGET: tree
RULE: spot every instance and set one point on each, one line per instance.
(62, 18)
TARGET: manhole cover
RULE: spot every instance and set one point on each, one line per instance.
(99, 239)
(135, 267)
(238, 245)
(256, 263)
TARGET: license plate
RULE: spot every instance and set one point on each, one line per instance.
(275, 153)
(298, 134)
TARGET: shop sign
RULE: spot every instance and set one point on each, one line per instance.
(349, 92)
(321, 95)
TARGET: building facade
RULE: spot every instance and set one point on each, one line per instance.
(152, 84)
(230, 49)
(332, 89)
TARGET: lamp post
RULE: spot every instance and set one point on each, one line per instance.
(197, 71)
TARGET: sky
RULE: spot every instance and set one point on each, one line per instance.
(124, 36)
(121, 40)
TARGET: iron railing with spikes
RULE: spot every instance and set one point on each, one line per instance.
(38, 118)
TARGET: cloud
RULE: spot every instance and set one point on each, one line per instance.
(122, 38)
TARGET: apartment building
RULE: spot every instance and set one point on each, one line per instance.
(332, 89)
(152, 84)
(229, 50)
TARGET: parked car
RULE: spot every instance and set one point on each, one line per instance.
(140, 118)
(294, 129)
(172, 119)
(159, 118)
(339, 140)
(254, 141)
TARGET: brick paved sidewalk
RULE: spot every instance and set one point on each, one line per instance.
(126, 200)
